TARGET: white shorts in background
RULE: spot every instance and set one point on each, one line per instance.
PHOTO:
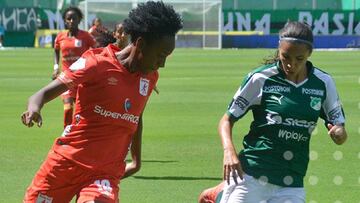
(251, 190)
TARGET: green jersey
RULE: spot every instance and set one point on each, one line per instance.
(276, 149)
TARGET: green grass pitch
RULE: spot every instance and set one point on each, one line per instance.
(182, 153)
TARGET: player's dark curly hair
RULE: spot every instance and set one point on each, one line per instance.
(105, 37)
(152, 20)
(294, 29)
(75, 9)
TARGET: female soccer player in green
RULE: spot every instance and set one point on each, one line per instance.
(286, 96)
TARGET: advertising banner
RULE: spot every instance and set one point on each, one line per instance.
(18, 19)
(323, 22)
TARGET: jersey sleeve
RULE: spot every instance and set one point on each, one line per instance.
(247, 95)
(332, 111)
(81, 71)
(57, 41)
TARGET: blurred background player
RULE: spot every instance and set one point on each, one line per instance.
(87, 161)
(122, 39)
(117, 37)
(96, 29)
(287, 96)
(72, 43)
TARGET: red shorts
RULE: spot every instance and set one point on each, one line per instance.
(59, 180)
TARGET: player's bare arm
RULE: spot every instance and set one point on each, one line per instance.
(37, 101)
(231, 162)
(56, 71)
(135, 150)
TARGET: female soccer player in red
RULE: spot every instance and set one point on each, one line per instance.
(87, 161)
(97, 29)
(72, 43)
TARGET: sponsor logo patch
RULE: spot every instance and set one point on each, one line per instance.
(315, 92)
(115, 115)
(144, 86)
(112, 81)
(43, 199)
(127, 104)
(278, 99)
(274, 118)
(78, 43)
(315, 103)
(292, 136)
(335, 115)
(241, 102)
(276, 88)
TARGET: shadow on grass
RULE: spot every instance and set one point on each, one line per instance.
(175, 178)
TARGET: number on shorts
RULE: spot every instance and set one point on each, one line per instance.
(103, 186)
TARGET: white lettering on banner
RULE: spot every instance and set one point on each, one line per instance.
(7, 19)
(106, 113)
(56, 19)
(230, 24)
(20, 26)
(321, 25)
(337, 20)
(344, 23)
(263, 25)
(21, 19)
(292, 135)
(244, 22)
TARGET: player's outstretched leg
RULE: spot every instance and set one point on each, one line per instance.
(211, 195)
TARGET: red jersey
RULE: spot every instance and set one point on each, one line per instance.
(109, 103)
(73, 47)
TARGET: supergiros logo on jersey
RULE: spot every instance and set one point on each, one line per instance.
(275, 118)
(125, 116)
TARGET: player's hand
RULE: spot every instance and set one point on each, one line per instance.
(55, 74)
(337, 133)
(29, 117)
(232, 167)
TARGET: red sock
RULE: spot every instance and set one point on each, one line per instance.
(68, 114)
